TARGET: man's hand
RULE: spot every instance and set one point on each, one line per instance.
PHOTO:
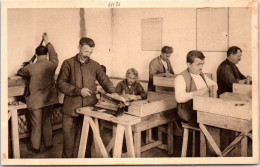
(201, 92)
(132, 97)
(126, 97)
(85, 92)
(45, 38)
(169, 75)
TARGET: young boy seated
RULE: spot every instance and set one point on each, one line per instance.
(130, 88)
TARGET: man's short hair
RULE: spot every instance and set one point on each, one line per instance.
(194, 54)
(167, 49)
(41, 50)
(233, 50)
(87, 41)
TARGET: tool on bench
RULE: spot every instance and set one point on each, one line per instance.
(112, 102)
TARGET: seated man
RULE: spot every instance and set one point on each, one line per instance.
(228, 73)
(191, 82)
(160, 65)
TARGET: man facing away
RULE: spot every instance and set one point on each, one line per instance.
(42, 94)
(228, 73)
(77, 81)
(161, 66)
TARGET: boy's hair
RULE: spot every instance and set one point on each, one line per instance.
(131, 71)
(194, 54)
(86, 41)
(233, 50)
(167, 49)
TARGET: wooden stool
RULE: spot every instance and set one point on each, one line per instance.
(186, 137)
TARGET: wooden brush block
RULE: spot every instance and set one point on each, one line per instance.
(16, 86)
(169, 82)
(224, 107)
(155, 103)
(242, 89)
(163, 81)
(235, 97)
(16, 91)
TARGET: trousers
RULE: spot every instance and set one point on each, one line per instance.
(41, 125)
(71, 129)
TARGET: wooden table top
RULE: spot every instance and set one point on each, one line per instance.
(125, 119)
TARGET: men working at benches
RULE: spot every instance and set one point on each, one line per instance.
(42, 94)
(189, 83)
(77, 81)
(160, 65)
(228, 73)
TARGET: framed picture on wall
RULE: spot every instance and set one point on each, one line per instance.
(151, 34)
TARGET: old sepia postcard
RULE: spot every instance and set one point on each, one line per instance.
(129, 83)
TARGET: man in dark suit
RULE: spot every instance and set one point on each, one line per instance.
(228, 73)
(77, 80)
(42, 94)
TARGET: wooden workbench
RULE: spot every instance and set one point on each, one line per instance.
(123, 126)
(232, 112)
(16, 86)
(153, 112)
(159, 111)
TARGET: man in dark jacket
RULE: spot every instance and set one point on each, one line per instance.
(42, 94)
(227, 72)
(77, 81)
(161, 66)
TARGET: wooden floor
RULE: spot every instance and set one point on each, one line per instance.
(56, 151)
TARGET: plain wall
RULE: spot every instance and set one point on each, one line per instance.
(98, 27)
(26, 26)
(117, 34)
(179, 31)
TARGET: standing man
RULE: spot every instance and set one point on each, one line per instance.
(77, 81)
(42, 94)
(191, 82)
(228, 73)
(160, 65)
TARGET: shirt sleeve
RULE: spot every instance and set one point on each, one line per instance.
(119, 88)
(24, 72)
(63, 81)
(141, 91)
(104, 80)
(180, 90)
(227, 76)
(53, 56)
